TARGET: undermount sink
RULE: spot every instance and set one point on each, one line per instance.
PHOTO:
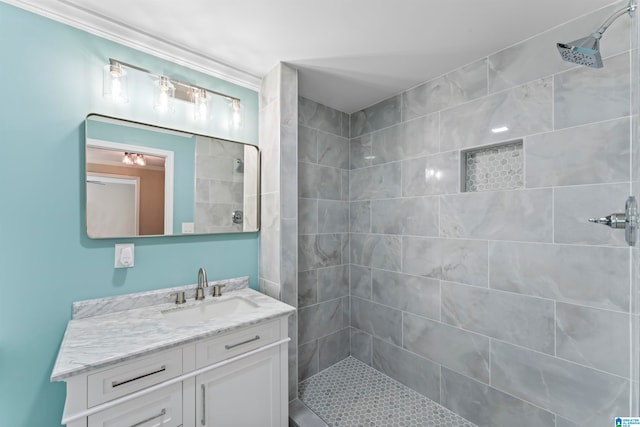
(204, 311)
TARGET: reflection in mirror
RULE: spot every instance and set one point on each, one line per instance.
(143, 180)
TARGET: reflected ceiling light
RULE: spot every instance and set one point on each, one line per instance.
(166, 89)
(131, 159)
(163, 93)
(500, 129)
(430, 174)
(114, 82)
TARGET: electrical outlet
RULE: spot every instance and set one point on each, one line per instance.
(125, 255)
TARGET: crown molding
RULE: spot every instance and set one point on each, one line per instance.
(76, 16)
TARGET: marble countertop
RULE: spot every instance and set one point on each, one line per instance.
(102, 340)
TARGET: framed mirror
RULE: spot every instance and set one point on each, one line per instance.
(144, 180)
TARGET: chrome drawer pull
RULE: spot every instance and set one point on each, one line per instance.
(203, 421)
(229, 347)
(119, 383)
(161, 414)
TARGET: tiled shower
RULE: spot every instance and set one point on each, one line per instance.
(443, 235)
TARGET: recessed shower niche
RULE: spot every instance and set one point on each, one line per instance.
(497, 167)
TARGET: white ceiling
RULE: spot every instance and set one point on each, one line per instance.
(350, 54)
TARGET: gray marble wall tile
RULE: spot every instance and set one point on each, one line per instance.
(573, 206)
(270, 237)
(307, 216)
(345, 125)
(533, 58)
(462, 261)
(360, 217)
(431, 175)
(288, 173)
(413, 216)
(270, 148)
(375, 182)
(517, 319)
(360, 281)
(488, 407)
(461, 85)
(583, 395)
(590, 154)
(319, 182)
(361, 345)
(585, 95)
(360, 152)
(333, 150)
(318, 116)
(593, 276)
(381, 115)
(307, 288)
(462, 351)
(307, 145)
(270, 87)
(377, 320)
(523, 215)
(307, 360)
(415, 372)
(345, 185)
(319, 320)
(333, 282)
(525, 110)
(346, 311)
(225, 192)
(289, 97)
(292, 362)
(333, 216)
(333, 348)
(373, 250)
(593, 337)
(345, 240)
(289, 262)
(406, 140)
(319, 250)
(418, 295)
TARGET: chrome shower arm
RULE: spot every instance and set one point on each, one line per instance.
(600, 31)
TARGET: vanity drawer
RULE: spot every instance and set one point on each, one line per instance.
(159, 408)
(235, 343)
(133, 376)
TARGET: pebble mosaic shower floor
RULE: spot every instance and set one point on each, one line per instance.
(353, 394)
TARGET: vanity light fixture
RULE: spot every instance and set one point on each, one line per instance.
(166, 90)
(127, 159)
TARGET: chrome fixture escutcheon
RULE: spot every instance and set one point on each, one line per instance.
(627, 220)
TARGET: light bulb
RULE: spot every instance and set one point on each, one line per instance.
(235, 121)
(164, 92)
(127, 159)
(114, 82)
(199, 104)
(140, 161)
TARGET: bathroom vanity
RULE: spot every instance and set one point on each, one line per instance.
(141, 360)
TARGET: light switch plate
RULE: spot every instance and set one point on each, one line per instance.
(125, 255)
(187, 228)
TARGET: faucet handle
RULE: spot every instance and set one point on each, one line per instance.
(180, 299)
(217, 290)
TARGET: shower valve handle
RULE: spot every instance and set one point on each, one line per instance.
(615, 220)
(627, 221)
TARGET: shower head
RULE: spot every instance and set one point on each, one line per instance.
(584, 51)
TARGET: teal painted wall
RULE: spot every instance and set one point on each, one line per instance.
(184, 159)
(50, 79)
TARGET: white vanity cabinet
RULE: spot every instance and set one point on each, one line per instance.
(235, 379)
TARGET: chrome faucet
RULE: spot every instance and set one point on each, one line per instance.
(202, 283)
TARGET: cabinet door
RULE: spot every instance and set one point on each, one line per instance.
(245, 393)
(160, 408)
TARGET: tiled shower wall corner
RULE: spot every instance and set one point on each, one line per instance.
(278, 197)
(323, 237)
(507, 306)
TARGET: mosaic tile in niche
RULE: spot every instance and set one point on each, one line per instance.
(498, 167)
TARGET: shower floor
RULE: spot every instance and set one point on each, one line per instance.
(353, 394)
